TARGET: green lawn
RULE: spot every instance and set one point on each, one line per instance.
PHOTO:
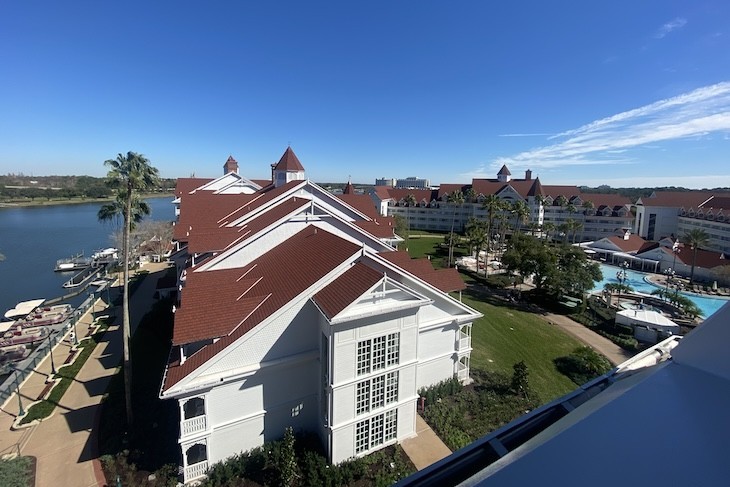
(421, 247)
(504, 336)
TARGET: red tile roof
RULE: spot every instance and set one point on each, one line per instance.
(279, 276)
(554, 191)
(632, 245)
(348, 189)
(705, 258)
(186, 185)
(383, 227)
(261, 198)
(677, 199)
(602, 199)
(289, 162)
(504, 170)
(204, 208)
(219, 237)
(445, 280)
(362, 203)
(344, 290)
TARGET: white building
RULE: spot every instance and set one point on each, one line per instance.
(296, 311)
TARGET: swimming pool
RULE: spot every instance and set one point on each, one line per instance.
(636, 280)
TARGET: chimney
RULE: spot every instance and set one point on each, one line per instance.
(231, 165)
(528, 175)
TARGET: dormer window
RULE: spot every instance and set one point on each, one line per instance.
(682, 211)
(691, 213)
(710, 216)
(549, 201)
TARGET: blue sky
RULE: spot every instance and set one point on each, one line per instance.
(623, 93)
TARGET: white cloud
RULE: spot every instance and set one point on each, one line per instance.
(673, 25)
(697, 113)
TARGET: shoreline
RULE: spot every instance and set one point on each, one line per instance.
(74, 201)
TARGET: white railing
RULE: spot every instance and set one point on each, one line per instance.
(193, 425)
(463, 372)
(464, 341)
(195, 471)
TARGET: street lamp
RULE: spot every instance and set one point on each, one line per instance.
(53, 364)
(21, 411)
(670, 278)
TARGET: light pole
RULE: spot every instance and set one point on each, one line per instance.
(75, 336)
(53, 364)
(21, 411)
(670, 278)
(621, 276)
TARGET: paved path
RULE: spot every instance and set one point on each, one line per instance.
(65, 443)
(425, 448)
(600, 344)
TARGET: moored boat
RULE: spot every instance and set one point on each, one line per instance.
(49, 315)
(17, 335)
(73, 263)
(13, 354)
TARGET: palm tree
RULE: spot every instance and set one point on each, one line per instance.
(476, 234)
(456, 198)
(548, 227)
(695, 238)
(521, 211)
(128, 174)
(492, 204)
(410, 200)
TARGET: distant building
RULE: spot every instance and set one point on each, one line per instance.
(389, 182)
(413, 182)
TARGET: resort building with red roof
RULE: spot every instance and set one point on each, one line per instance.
(593, 216)
(296, 310)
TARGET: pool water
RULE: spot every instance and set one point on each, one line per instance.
(636, 280)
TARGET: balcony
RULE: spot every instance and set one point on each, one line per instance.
(195, 471)
(464, 341)
(193, 425)
(462, 372)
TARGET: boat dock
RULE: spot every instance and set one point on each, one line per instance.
(73, 263)
(86, 275)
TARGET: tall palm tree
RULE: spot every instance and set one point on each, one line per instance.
(493, 204)
(521, 212)
(128, 174)
(456, 198)
(695, 238)
(548, 227)
(410, 201)
(476, 234)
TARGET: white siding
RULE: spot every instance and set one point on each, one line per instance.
(435, 371)
(436, 342)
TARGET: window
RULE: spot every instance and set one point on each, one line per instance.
(375, 431)
(377, 353)
(377, 392)
(393, 349)
(363, 357)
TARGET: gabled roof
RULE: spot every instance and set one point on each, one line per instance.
(631, 245)
(536, 188)
(266, 285)
(705, 258)
(383, 227)
(186, 185)
(203, 209)
(349, 286)
(555, 190)
(504, 171)
(348, 189)
(445, 280)
(676, 199)
(289, 162)
(361, 202)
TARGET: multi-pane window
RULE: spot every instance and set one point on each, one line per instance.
(362, 401)
(393, 349)
(378, 353)
(374, 431)
(376, 392)
(391, 424)
(363, 357)
(362, 436)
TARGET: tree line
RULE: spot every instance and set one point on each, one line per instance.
(18, 186)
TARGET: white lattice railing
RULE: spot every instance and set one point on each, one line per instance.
(193, 425)
(464, 341)
(463, 371)
(196, 471)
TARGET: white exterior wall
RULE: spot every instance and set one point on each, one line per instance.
(719, 232)
(666, 222)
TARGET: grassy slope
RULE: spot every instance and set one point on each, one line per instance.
(506, 335)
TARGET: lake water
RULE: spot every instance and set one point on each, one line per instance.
(34, 238)
(637, 282)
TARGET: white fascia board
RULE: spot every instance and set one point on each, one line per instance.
(471, 314)
(253, 214)
(420, 300)
(327, 196)
(219, 182)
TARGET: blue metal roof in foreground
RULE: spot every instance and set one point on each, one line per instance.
(662, 424)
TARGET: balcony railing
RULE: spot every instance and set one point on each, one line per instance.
(463, 372)
(193, 425)
(464, 341)
(196, 471)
